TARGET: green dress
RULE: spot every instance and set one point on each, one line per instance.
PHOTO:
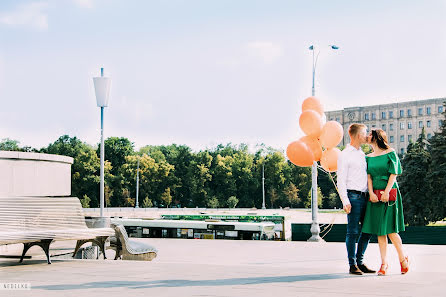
(384, 218)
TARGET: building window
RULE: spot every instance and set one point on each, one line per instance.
(440, 123)
(420, 111)
(391, 127)
(409, 125)
(383, 115)
(390, 114)
(409, 138)
(337, 119)
(429, 136)
(383, 126)
(420, 124)
(428, 110)
(409, 112)
(428, 124)
(402, 126)
(402, 138)
(391, 139)
(366, 116)
(401, 113)
(402, 150)
(373, 116)
(440, 109)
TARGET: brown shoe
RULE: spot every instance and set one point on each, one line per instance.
(365, 269)
(355, 270)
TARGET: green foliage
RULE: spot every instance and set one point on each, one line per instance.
(212, 202)
(232, 202)
(9, 145)
(147, 202)
(320, 197)
(85, 201)
(166, 197)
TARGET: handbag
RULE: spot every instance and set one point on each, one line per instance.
(392, 194)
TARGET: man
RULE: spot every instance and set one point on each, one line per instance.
(352, 186)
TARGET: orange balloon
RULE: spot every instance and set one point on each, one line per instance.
(332, 134)
(312, 103)
(314, 145)
(300, 154)
(311, 123)
(329, 159)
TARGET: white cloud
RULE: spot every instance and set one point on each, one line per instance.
(28, 15)
(268, 52)
(84, 3)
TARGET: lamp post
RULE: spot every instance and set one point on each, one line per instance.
(102, 90)
(137, 185)
(315, 229)
(263, 184)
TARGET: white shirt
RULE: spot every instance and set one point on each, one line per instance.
(352, 172)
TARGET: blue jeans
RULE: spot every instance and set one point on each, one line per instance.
(355, 219)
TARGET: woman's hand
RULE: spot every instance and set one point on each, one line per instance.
(385, 196)
(373, 197)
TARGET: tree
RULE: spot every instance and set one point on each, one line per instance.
(9, 145)
(212, 202)
(437, 174)
(291, 192)
(273, 196)
(414, 184)
(307, 202)
(146, 203)
(166, 197)
(232, 202)
(85, 201)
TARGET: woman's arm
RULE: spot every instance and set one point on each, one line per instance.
(390, 182)
(373, 196)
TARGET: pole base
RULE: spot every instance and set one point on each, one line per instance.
(315, 238)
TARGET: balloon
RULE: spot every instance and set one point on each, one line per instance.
(311, 123)
(300, 154)
(332, 134)
(312, 103)
(314, 146)
(329, 159)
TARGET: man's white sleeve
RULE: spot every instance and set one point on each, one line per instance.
(342, 178)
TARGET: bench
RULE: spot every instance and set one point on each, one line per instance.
(42, 220)
(127, 249)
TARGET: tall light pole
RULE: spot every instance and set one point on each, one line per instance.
(137, 185)
(102, 90)
(263, 184)
(315, 229)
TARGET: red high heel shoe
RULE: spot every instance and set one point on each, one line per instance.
(383, 269)
(406, 269)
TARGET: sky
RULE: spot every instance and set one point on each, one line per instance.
(204, 72)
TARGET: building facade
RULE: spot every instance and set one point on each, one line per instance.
(403, 122)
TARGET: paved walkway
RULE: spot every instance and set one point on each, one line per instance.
(228, 268)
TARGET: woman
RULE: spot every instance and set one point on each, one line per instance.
(384, 212)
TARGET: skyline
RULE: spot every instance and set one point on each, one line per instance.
(201, 73)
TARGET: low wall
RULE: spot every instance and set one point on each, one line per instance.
(34, 174)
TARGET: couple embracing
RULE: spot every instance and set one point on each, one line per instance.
(371, 198)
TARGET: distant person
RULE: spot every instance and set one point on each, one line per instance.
(384, 214)
(352, 186)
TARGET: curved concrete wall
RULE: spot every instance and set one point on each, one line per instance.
(34, 174)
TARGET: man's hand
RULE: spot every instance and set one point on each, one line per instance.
(385, 196)
(348, 208)
(373, 197)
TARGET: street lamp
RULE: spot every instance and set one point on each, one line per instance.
(263, 184)
(137, 185)
(102, 90)
(315, 229)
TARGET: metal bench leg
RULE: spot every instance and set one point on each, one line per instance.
(79, 243)
(44, 244)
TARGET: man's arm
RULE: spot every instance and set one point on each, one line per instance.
(342, 181)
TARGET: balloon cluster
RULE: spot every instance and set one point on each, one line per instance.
(320, 141)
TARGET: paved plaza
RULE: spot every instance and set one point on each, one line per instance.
(227, 268)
